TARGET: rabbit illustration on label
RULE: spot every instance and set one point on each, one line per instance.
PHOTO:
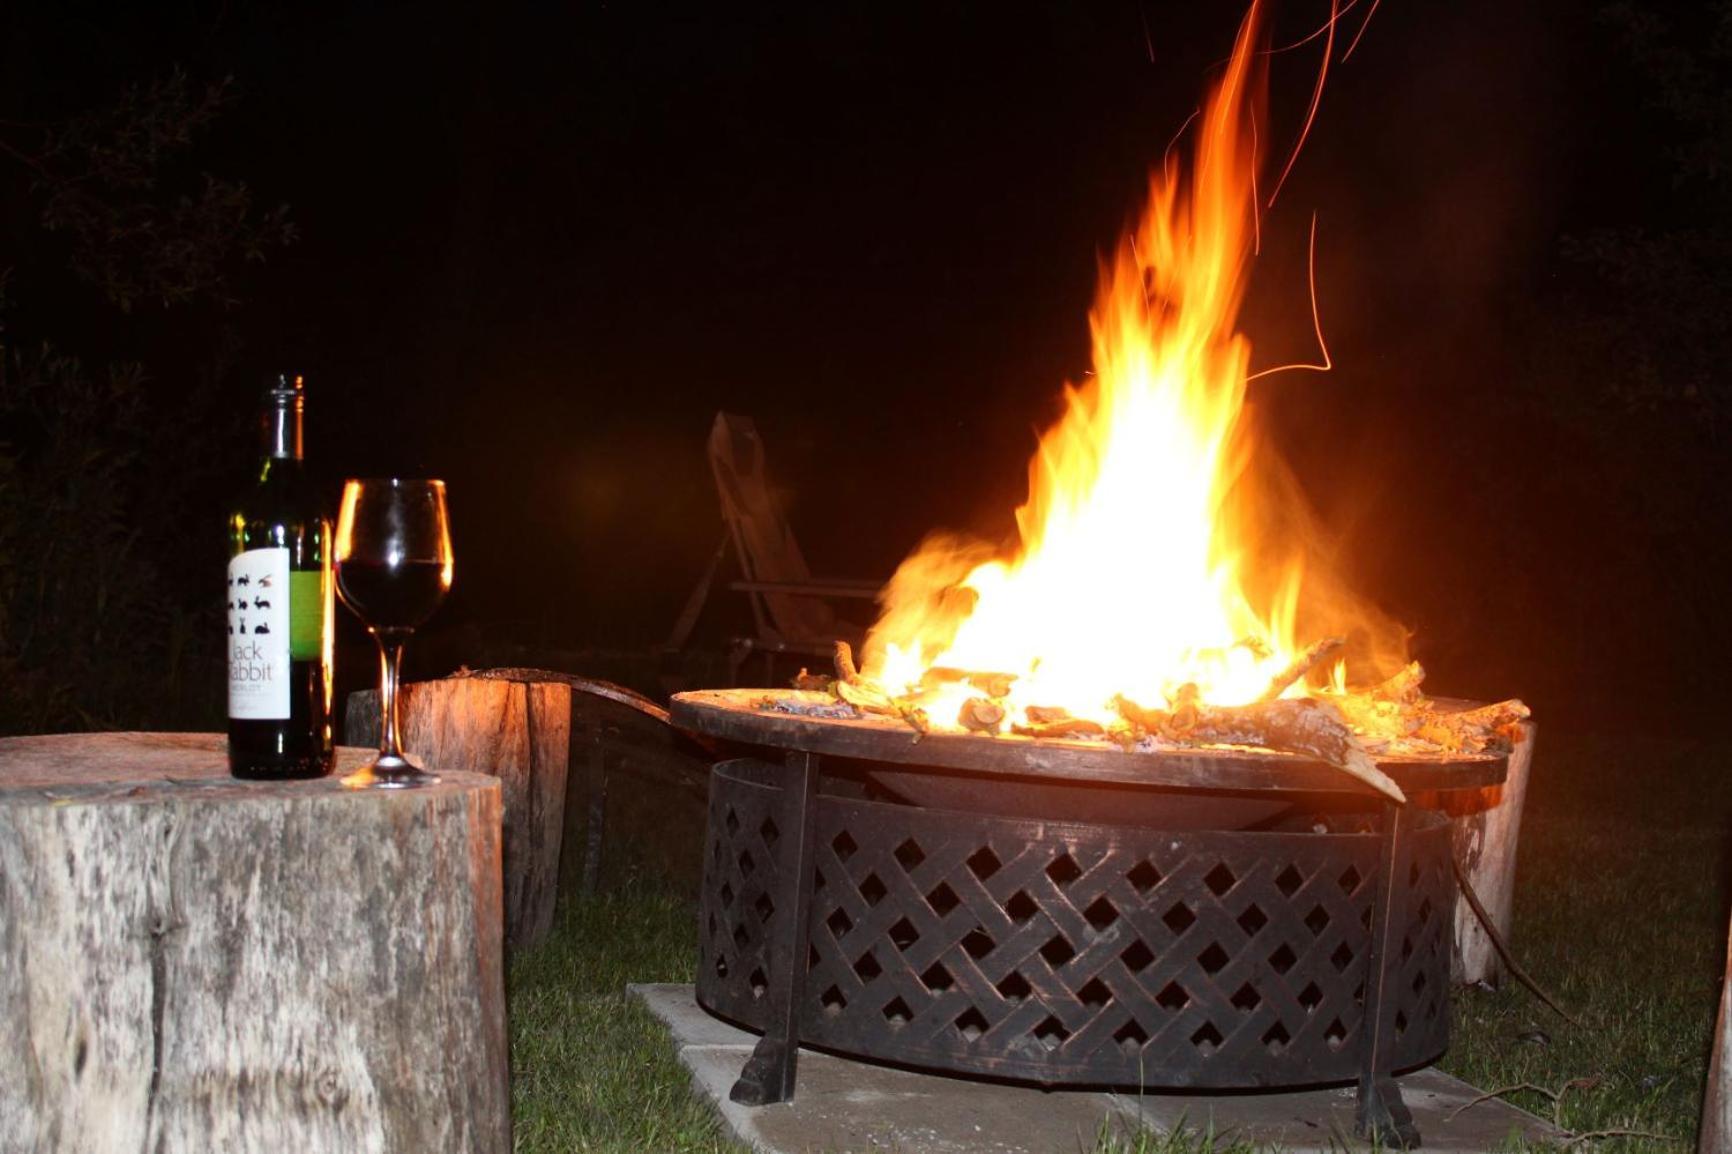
(259, 660)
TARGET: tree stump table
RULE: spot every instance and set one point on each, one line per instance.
(189, 962)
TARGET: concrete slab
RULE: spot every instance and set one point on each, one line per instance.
(843, 1105)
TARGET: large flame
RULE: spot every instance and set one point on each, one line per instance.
(1156, 549)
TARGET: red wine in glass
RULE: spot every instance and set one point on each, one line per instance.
(393, 562)
(394, 598)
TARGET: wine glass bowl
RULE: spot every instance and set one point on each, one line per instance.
(394, 567)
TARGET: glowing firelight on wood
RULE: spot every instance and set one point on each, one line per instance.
(1157, 547)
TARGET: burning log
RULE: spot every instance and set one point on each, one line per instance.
(1187, 704)
(1490, 728)
(845, 668)
(915, 717)
(1297, 725)
(1137, 716)
(1403, 688)
(990, 684)
(1301, 665)
(864, 697)
(1495, 716)
(1062, 727)
(993, 684)
(1056, 721)
(809, 682)
(981, 715)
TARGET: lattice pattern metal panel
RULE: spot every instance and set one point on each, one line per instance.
(1059, 952)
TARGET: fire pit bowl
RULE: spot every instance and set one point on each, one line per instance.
(1060, 952)
(981, 939)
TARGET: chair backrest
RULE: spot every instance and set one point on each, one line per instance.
(763, 541)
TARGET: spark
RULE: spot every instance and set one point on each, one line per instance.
(1335, 15)
(1316, 99)
(1362, 26)
(1167, 157)
(1316, 319)
(1256, 211)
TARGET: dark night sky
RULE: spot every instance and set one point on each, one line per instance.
(540, 247)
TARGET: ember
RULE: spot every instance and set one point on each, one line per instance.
(1166, 566)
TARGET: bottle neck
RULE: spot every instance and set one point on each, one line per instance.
(283, 429)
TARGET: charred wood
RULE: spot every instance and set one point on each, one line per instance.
(1066, 727)
(1297, 669)
(1139, 717)
(809, 682)
(1187, 702)
(1046, 714)
(1304, 726)
(1404, 687)
(1487, 729)
(845, 667)
(981, 715)
(993, 684)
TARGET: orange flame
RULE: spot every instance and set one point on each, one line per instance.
(1156, 549)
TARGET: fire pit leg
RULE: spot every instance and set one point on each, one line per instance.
(768, 1075)
(1381, 1114)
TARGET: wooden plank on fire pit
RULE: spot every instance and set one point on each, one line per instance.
(518, 730)
(733, 715)
(190, 962)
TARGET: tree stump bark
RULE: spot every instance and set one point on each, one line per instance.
(517, 731)
(1716, 1135)
(1487, 831)
(189, 962)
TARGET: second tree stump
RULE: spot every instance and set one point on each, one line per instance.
(517, 731)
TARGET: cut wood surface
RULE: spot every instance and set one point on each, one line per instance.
(1716, 1135)
(516, 730)
(1487, 833)
(190, 963)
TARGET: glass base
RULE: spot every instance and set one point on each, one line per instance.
(389, 772)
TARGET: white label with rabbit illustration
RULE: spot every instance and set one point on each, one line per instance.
(258, 637)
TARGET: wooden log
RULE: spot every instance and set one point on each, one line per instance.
(1302, 665)
(635, 781)
(516, 730)
(1487, 832)
(189, 962)
(1716, 1133)
(619, 734)
(1304, 725)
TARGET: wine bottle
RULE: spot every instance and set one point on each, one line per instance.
(280, 618)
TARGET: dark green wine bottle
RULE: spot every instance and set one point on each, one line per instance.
(280, 615)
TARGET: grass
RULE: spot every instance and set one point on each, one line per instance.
(591, 1069)
(1621, 913)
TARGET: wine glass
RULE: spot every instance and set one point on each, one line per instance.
(393, 560)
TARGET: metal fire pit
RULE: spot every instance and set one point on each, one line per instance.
(1123, 952)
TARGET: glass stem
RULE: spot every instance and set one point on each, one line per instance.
(390, 661)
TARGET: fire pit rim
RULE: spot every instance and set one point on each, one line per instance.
(733, 715)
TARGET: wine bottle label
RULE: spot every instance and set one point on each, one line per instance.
(307, 614)
(260, 634)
